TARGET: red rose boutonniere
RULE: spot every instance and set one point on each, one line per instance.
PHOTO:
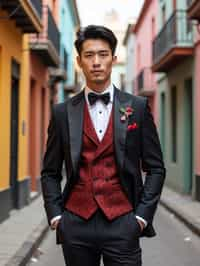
(126, 112)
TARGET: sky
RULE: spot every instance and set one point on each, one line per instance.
(93, 11)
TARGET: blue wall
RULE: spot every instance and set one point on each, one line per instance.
(67, 27)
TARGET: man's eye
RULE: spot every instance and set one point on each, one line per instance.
(103, 55)
(88, 55)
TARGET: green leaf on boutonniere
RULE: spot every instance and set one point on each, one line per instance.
(122, 110)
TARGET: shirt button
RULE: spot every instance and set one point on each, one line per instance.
(100, 131)
(100, 112)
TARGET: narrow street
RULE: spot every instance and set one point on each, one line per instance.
(174, 245)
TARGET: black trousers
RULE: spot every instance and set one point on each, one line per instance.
(85, 241)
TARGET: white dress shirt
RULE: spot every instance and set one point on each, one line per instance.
(100, 114)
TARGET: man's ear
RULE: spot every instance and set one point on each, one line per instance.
(114, 59)
(78, 59)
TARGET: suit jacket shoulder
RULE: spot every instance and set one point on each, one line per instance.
(60, 109)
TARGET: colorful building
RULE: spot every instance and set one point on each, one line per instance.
(31, 68)
(173, 58)
(113, 21)
(68, 24)
(16, 19)
(45, 73)
(193, 13)
(128, 42)
(144, 32)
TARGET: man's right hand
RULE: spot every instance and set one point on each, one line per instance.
(55, 221)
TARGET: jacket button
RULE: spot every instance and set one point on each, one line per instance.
(107, 179)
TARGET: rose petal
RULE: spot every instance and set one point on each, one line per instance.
(123, 118)
(129, 109)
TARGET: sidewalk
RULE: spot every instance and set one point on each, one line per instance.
(187, 210)
(23, 231)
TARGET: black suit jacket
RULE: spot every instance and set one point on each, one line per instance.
(134, 150)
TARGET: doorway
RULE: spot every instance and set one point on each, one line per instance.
(14, 130)
(188, 135)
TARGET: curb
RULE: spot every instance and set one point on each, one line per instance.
(195, 228)
(24, 253)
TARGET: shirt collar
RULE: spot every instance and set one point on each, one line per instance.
(110, 89)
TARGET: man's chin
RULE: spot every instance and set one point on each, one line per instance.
(99, 81)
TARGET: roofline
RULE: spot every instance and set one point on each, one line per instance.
(129, 31)
(141, 15)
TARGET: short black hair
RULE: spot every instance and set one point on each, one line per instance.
(95, 32)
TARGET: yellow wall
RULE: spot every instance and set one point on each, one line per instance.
(11, 46)
(23, 111)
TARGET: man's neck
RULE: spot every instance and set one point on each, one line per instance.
(98, 88)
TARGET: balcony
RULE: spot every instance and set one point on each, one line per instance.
(193, 11)
(174, 42)
(144, 83)
(47, 43)
(26, 14)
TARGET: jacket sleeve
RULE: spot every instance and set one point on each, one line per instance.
(152, 165)
(51, 174)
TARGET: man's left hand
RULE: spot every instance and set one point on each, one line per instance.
(142, 225)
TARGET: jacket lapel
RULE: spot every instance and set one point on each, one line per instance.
(75, 118)
(120, 128)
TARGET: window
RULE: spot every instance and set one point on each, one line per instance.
(65, 60)
(163, 15)
(153, 28)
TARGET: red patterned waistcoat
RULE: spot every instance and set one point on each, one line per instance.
(99, 185)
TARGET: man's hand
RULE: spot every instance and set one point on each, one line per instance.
(55, 224)
(142, 225)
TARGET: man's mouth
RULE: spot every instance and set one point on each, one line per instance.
(96, 71)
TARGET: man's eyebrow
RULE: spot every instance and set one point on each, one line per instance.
(99, 51)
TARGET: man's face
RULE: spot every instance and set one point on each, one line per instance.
(96, 62)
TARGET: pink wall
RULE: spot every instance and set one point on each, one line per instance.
(54, 6)
(38, 116)
(145, 34)
(145, 31)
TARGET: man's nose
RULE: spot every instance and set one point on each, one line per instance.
(96, 60)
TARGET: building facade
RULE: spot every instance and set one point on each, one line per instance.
(45, 73)
(144, 33)
(130, 54)
(193, 14)
(173, 60)
(17, 19)
(30, 70)
(68, 24)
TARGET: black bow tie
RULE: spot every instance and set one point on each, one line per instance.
(93, 97)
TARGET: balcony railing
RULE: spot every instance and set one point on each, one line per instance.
(53, 32)
(145, 82)
(27, 14)
(47, 43)
(176, 33)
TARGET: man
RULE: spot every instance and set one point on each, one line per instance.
(105, 137)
